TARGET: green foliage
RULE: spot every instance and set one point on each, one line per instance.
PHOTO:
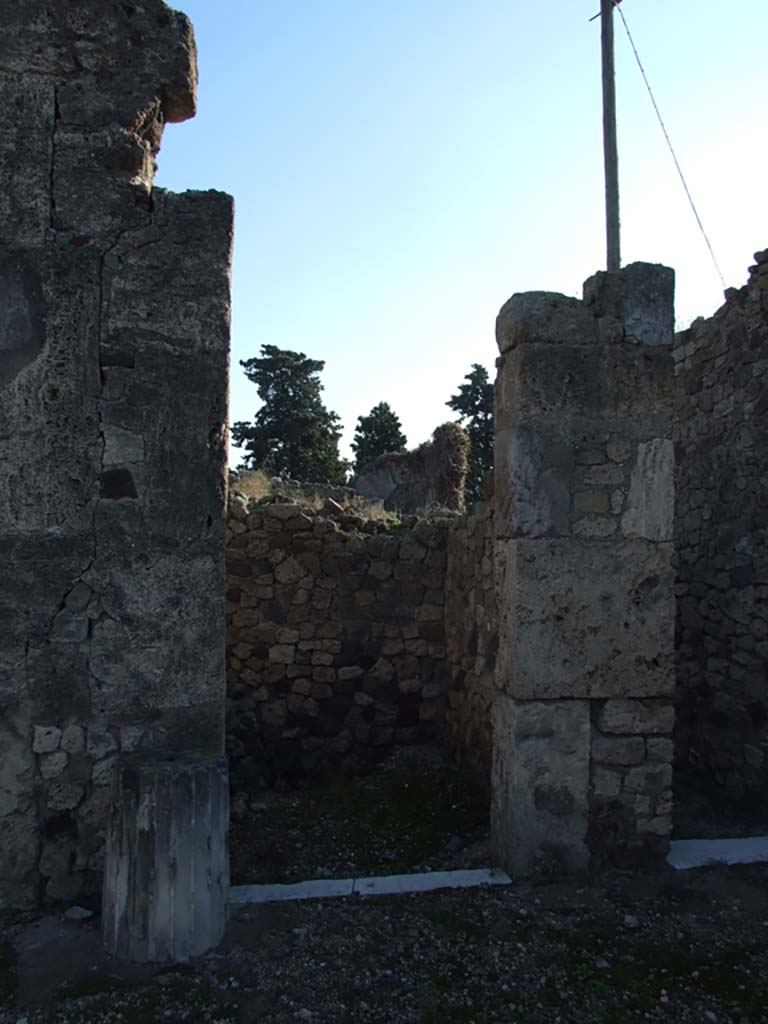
(474, 404)
(378, 432)
(293, 434)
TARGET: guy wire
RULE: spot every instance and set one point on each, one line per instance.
(669, 143)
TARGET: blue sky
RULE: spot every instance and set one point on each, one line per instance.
(401, 168)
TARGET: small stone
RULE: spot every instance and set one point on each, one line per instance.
(601, 963)
(52, 765)
(78, 914)
(630, 921)
(64, 796)
(73, 739)
(586, 501)
(282, 654)
(130, 738)
(100, 742)
(102, 772)
(78, 597)
(637, 717)
(348, 673)
(46, 739)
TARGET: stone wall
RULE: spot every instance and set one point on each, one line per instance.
(472, 636)
(336, 637)
(114, 331)
(721, 524)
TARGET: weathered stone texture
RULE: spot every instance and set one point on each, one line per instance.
(114, 327)
(167, 842)
(581, 619)
(472, 636)
(336, 637)
(721, 527)
(540, 785)
(583, 520)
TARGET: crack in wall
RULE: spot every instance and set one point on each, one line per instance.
(52, 176)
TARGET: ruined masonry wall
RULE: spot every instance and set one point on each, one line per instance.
(336, 638)
(114, 333)
(721, 526)
(471, 636)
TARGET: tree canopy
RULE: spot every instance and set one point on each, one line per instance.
(378, 432)
(474, 404)
(292, 434)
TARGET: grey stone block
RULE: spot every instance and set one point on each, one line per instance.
(540, 783)
(584, 620)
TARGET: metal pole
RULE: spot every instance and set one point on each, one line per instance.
(609, 139)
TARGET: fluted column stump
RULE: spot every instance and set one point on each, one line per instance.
(166, 877)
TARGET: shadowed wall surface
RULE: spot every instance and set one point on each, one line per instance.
(721, 525)
(114, 337)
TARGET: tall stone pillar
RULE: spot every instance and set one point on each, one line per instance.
(114, 344)
(584, 492)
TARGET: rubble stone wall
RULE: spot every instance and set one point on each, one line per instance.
(336, 637)
(114, 334)
(472, 636)
(721, 538)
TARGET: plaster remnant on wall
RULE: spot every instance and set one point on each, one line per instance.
(650, 503)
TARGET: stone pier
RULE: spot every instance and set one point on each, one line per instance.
(114, 340)
(584, 490)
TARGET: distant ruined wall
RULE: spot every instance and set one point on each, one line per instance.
(472, 631)
(335, 635)
(721, 539)
(114, 330)
(432, 474)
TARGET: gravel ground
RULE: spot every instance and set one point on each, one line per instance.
(673, 947)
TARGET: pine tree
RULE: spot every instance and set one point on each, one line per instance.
(292, 434)
(378, 432)
(474, 404)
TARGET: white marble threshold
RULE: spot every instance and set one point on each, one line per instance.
(330, 888)
(684, 854)
(697, 853)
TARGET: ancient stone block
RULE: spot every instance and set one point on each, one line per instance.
(609, 750)
(584, 621)
(630, 717)
(544, 318)
(540, 782)
(640, 298)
